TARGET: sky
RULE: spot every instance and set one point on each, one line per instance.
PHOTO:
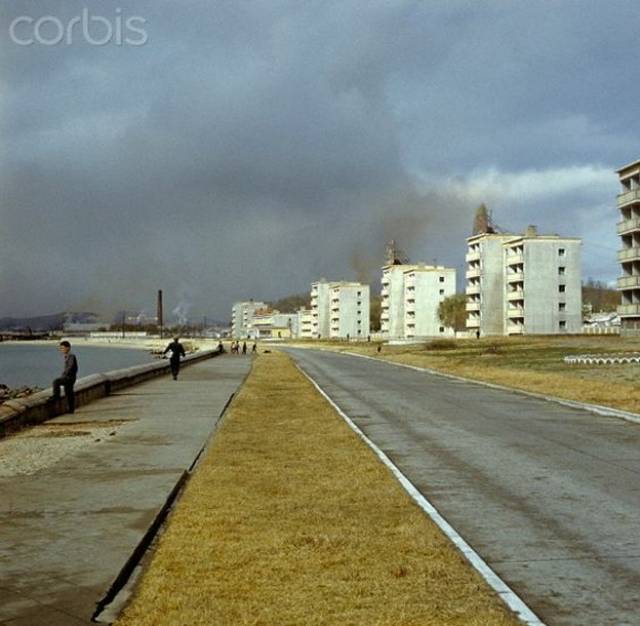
(227, 150)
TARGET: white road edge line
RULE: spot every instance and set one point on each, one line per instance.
(509, 597)
(574, 404)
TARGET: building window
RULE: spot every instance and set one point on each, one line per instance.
(442, 292)
(561, 271)
(562, 306)
(563, 325)
(561, 288)
(560, 251)
(441, 279)
(441, 329)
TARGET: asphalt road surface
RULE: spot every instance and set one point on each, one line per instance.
(548, 495)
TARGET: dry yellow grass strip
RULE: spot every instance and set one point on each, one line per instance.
(291, 519)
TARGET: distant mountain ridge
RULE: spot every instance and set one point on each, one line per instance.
(55, 321)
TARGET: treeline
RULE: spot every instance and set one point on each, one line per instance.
(290, 304)
(600, 296)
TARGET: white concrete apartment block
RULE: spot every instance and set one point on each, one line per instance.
(485, 283)
(629, 255)
(424, 289)
(543, 285)
(392, 300)
(305, 323)
(242, 317)
(320, 309)
(349, 311)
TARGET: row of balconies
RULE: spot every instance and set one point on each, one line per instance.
(629, 254)
(628, 225)
(628, 197)
(629, 309)
(629, 282)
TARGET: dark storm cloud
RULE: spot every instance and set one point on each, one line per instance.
(251, 147)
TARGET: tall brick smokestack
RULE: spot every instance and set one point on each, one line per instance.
(160, 314)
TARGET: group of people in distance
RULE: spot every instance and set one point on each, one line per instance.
(236, 348)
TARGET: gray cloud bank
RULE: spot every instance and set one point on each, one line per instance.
(251, 147)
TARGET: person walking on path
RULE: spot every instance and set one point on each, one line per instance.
(68, 378)
(175, 350)
(254, 349)
(244, 347)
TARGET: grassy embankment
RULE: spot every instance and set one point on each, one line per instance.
(529, 363)
(291, 519)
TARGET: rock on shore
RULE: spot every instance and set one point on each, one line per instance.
(6, 393)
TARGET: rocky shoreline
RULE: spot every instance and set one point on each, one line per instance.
(6, 393)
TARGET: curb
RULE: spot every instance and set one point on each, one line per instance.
(505, 593)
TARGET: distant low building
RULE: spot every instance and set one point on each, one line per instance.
(83, 328)
(267, 323)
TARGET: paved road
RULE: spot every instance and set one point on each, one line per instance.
(72, 513)
(548, 495)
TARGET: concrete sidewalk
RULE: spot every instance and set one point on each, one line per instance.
(79, 492)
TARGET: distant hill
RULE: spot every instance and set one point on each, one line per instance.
(292, 303)
(45, 322)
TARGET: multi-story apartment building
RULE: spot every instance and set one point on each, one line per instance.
(424, 288)
(525, 284)
(320, 309)
(339, 309)
(392, 300)
(349, 310)
(485, 283)
(543, 285)
(241, 317)
(410, 296)
(305, 323)
(629, 255)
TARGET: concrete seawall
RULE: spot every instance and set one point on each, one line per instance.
(39, 407)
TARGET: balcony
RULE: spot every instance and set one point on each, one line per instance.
(629, 309)
(515, 329)
(384, 292)
(628, 226)
(472, 256)
(384, 316)
(628, 282)
(473, 288)
(518, 294)
(628, 197)
(629, 254)
(473, 321)
(515, 259)
(513, 311)
(473, 306)
(515, 277)
(473, 273)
